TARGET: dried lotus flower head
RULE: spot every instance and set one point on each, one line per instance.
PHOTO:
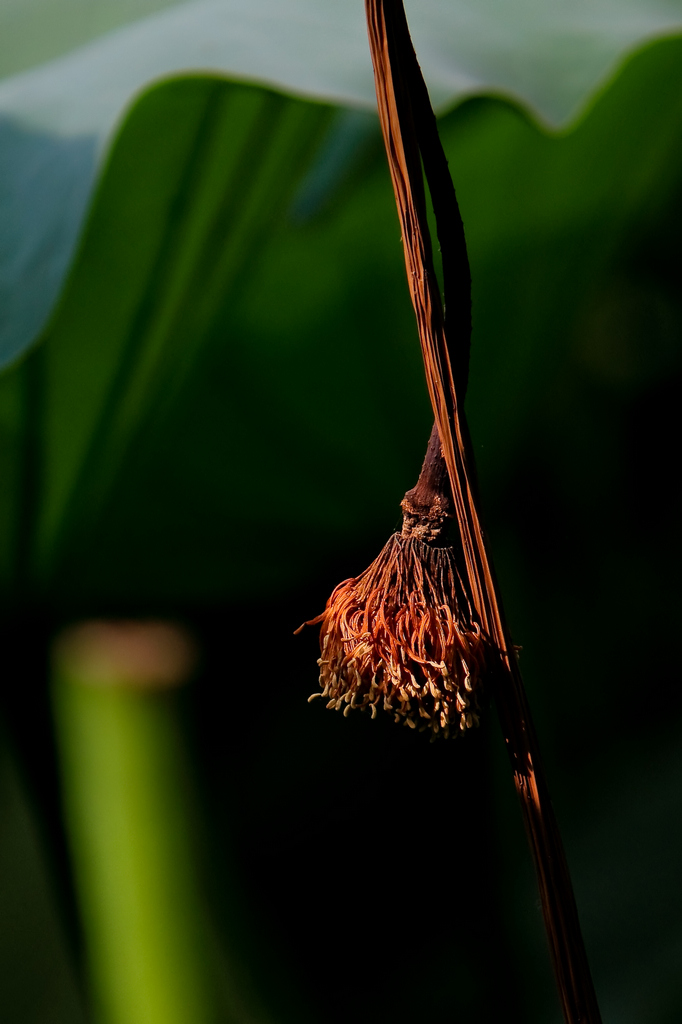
(401, 636)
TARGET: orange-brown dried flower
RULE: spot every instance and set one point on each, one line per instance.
(400, 636)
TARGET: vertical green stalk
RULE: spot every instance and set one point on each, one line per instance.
(128, 824)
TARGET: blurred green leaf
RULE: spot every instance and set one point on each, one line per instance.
(198, 199)
(232, 380)
(547, 218)
(55, 116)
(213, 166)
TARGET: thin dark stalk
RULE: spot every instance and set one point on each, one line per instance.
(449, 225)
(410, 136)
(427, 507)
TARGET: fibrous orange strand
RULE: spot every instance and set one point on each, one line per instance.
(401, 636)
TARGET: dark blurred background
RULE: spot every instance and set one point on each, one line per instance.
(350, 867)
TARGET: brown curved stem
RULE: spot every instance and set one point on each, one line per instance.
(411, 136)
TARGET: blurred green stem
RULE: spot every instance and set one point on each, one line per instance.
(129, 831)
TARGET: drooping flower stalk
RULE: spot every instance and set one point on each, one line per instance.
(387, 608)
(401, 636)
